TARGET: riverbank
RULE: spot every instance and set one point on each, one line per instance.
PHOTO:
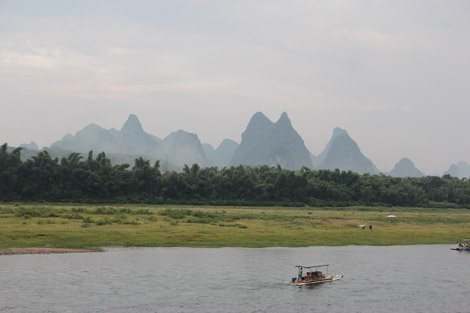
(93, 226)
(15, 251)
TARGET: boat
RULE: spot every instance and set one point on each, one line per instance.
(313, 275)
(464, 245)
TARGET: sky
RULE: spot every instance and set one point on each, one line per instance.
(394, 73)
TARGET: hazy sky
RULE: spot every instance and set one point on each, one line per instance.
(395, 74)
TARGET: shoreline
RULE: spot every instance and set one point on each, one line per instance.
(35, 251)
(18, 251)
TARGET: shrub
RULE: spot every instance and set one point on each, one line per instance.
(88, 220)
(105, 221)
(32, 212)
(75, 216)
(105, 210)
(233, 225)
(176, 213)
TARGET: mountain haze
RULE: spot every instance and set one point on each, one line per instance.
(263, 143)
(132, 141)
(209, 151)
(221, 156)
(405, 168)
(343, 153)
(224, 152)
(460, 170)
(31, 146)
(91, 137)
(267, 143)
(181, 148)
(322, 156)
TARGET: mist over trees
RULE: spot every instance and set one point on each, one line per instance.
(94, 179)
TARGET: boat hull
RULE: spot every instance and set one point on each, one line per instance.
(461, 249)
(326, 280)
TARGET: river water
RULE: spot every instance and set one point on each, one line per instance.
(423, 278)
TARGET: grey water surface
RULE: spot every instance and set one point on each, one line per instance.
(423, 278)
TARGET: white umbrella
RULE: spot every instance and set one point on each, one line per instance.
(391, 216)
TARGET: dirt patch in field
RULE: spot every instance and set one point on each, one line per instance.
(13, 251)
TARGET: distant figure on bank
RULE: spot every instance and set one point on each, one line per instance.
(370, 227)
(300, 274)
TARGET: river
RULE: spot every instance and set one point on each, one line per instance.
(422, 278)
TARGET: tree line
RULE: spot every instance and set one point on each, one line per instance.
(94, 179)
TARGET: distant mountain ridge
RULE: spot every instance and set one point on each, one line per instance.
(267, 143)
(182, 148)
(131, 139)
(322, 156)
(263, 143)
(460, 170)
(134, 140)
(405, 168)
(343, 153)
(31, 146)
(221, 156)
(178, 148)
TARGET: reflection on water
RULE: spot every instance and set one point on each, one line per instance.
(428, 278)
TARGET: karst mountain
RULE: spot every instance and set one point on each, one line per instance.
(222, 155)
(343, 153)
(405, 168)
(267, 143)
(131, 141)
(262, 143)
(460, 170)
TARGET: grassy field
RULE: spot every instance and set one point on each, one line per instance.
(94, 226)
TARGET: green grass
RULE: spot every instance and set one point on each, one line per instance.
(93, 226)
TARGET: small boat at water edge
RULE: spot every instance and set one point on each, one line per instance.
(464, 245)
(313, 275)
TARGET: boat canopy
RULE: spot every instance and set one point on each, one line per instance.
(312, 266)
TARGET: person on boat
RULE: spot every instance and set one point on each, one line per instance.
(300, 274)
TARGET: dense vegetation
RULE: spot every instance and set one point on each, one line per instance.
(78, 179)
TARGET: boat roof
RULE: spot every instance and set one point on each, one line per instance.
(312, 266)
